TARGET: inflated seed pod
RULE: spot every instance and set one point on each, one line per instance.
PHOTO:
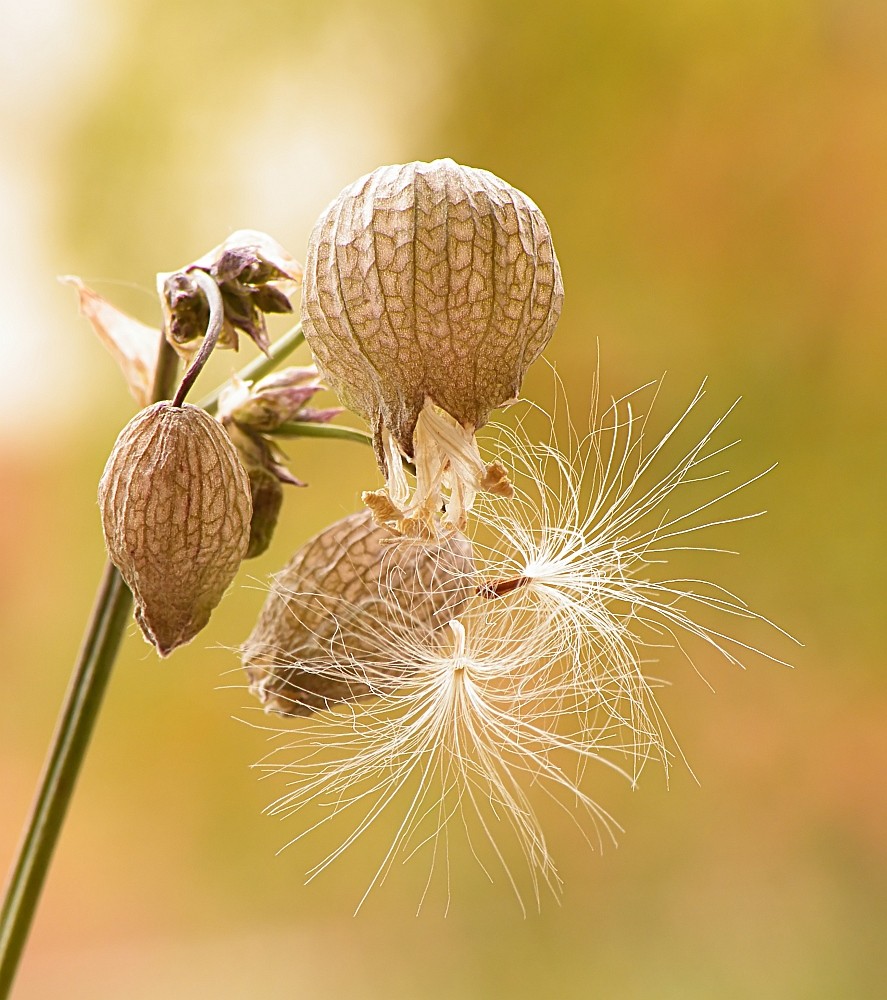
(350, 600)
(176, 509)
(429, 286)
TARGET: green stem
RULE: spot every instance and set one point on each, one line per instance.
(83, 701)
(263, 365)
(67, 750)
(298, 429)
(69, 742)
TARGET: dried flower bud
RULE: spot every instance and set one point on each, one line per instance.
(272, 401)
(265, 468)
(176, 509)
(186, 313)
(250, 413)
(267, 496)
(248, 267)
(317, 641)
(429, 285)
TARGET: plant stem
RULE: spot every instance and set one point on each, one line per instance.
(213, 328)
(86, 691)
(69, 742)
(280, 349)
(297, 428)
(67, 750)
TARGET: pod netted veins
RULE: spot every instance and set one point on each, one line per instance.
(429, 290)
(176, 509)
(316, 641)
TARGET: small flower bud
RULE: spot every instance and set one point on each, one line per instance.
(248, 267)
(176, 510)
(186, 313)
(272, 401)
(250, 414)
(335, 612)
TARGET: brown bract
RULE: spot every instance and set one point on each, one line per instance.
(429, 282)
(345, 606)
(176, 509)
(132, 344)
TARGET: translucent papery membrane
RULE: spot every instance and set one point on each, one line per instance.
(474, 725)
(449, 474)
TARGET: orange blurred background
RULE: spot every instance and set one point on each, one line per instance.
(715, 177)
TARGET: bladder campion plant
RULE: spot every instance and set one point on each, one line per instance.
(473, 639)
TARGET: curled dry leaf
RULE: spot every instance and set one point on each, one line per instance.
(176, 510)
(317, 638)
(133, 345)
(430, 286)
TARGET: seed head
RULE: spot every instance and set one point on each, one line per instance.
(176, 509)
(429, 290)
(314, 641)
(471, 733)
(542, 675)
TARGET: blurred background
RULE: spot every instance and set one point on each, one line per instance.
(715, 177)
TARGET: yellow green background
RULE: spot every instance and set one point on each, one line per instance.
(715, 176)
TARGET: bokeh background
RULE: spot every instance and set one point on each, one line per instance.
(715, 176)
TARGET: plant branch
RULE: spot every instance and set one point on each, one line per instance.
(263, 365)
(213, 328)
(89, 681)
(67, 750)
(297, 428)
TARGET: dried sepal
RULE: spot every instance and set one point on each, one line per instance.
(316, 641)
(429, 285)
(132, 344)
(176, 508)
(251, 414)
(269, 260)
(274, 400)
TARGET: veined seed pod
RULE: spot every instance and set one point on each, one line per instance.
(430, 287)
(338, 609)
(176, 511)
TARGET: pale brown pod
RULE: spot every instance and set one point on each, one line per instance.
(176, 510)
(346, 603)
(429, 285)
(429, 280)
